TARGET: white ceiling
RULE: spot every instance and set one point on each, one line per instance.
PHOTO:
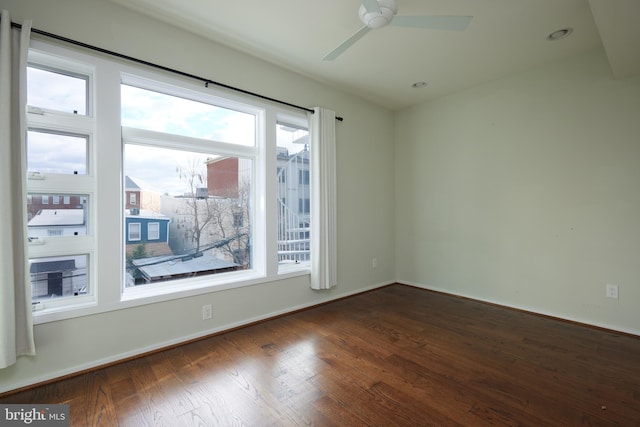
(505, 36)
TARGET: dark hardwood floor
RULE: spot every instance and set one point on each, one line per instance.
(394, 356)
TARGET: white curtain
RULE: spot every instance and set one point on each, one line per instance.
(16, 327)
(324, 274)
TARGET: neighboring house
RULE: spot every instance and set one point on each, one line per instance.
(140, 195)
(294, 206)
(38, 202)
(54, 277)
(57, 223)
(223, 177)
(149, 228)
(57, 276)
(176, 267)
(226, 176)
(220, 218)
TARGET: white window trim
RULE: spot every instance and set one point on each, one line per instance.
(130, 231)
(156, 232)
(54, 184)
(107, 212)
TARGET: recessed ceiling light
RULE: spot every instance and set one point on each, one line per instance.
(418, 85)
(560, 34)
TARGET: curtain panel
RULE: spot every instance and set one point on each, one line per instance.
(324, 274)
(16, 326)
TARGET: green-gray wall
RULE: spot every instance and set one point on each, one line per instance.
(522, 192)
(526, 192)
(364, 178)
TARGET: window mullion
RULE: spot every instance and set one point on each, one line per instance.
(166, 140)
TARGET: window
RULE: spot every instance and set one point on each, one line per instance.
(51, 152)
(238, 219)
(66, 220)
(293, 221)
(58, 277)
(153, 231)
(201, 191)
(178, 114)
(134, 231)
(57, 89)
(304, 206)
(58, 146)
(303, 177)
(203, 183)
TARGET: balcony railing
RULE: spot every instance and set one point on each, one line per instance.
(294, 243)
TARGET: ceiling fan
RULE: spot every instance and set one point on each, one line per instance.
(379, 13)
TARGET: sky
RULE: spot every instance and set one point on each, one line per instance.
(64, 153)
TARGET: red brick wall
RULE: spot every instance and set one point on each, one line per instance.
(222, 177)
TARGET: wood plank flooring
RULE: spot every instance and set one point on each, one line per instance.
(394, 356)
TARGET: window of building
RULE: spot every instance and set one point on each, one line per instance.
(59, 89)
(238, 219)
(303, 177)
(294, 222)
(153, 231)
(134, 231)
(70, 220)
(204, 160)
(304, 206)
(58, 277)
(59, 151)
(52, 152)
(180, 114)
(209, 241)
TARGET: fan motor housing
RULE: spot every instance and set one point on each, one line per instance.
(388, 10)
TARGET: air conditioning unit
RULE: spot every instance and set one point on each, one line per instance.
(202, 193)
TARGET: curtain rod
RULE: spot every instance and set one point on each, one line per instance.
(206, 81)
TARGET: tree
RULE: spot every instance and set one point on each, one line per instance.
(139, 251)
(198, 207)
(222, 221)
(232, 224)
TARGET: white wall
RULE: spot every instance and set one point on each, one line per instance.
(365, 217)
(526, 192)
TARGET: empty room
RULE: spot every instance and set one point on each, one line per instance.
(320, 212)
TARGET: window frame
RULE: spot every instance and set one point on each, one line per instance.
(104, 186)
(131, 232)
(46, 56)
(156, 232)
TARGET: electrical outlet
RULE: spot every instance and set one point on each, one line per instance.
(612, 291)
(374, 262)
(207, 312)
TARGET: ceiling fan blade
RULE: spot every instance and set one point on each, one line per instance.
(371, 6)
(434, 22)
(346, 44)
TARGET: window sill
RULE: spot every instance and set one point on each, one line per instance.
(143, 295)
